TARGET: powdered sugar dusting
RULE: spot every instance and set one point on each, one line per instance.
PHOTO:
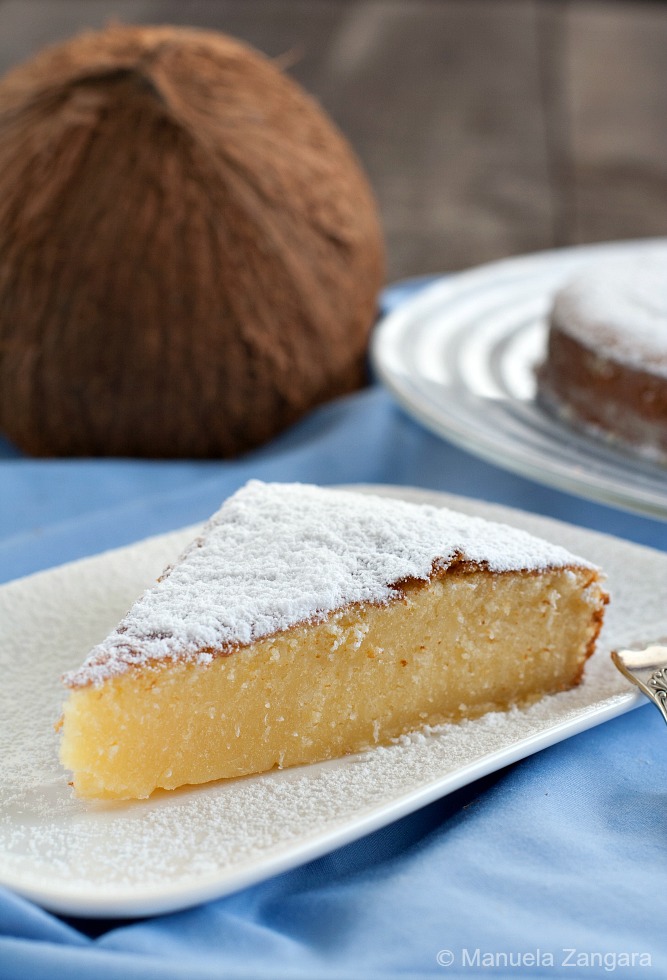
(276, 555)
(619, 308)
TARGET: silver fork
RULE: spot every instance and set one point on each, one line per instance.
(648, 670)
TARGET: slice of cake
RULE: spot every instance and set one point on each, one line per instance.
(606, 364)
(308, 623)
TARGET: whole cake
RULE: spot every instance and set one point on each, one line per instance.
(606, 363)
(307, 623)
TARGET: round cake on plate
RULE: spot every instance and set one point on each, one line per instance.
(605, 368)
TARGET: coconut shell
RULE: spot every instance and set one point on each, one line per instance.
(190, 254)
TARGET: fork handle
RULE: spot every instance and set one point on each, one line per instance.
(648, 670)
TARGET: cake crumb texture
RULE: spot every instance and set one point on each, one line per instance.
(468, 642)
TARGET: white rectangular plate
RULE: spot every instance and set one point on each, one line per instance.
(181, 848)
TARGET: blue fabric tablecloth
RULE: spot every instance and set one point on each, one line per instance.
(555, 866)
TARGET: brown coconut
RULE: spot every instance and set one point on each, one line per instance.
(189, 252)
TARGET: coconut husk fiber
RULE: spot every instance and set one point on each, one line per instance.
(190, 254)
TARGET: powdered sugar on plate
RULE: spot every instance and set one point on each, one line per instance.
(279, 554)
(178, 849)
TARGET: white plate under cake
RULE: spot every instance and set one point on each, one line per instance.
(179, 848)
(305, 624)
